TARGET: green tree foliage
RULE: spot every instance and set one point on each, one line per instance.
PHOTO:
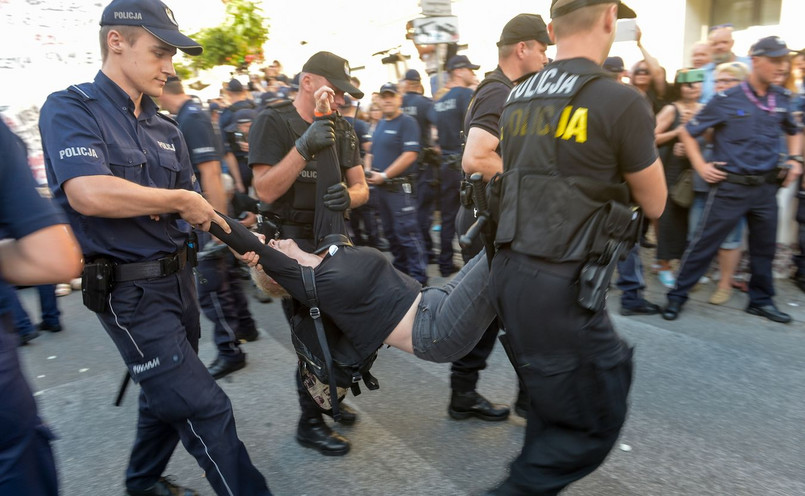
(238, 41)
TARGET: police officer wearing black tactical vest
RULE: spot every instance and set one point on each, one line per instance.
(745, 174)
(521, 52)
(121, 172)
(282, 153)
(577, 149)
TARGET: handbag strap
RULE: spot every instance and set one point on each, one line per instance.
(309, 280)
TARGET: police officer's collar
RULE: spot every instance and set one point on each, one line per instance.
(122, 100)
(578, 65)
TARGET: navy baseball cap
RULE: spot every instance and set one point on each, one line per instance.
(241, 116)
(564, 7)
(234, 85)
(412, 75)
(389, 88)
(770, 46)
(459, 62)
(335, 69)
(524, 27)
(614, 64)
(153, 16)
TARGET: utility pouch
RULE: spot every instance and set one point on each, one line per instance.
(465, 194)
(593, 285)
(97, 281)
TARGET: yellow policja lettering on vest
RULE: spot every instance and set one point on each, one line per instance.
(537, 121)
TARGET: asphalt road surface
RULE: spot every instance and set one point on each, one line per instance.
(717, 408)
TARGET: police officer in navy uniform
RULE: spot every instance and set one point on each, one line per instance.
(122, 173)
(744, 176)
(448, 116)
(219, 291)
(395, 148)
(418, 106)
(576, 145)
(236, 158)
(38, 247)
(521, 52)
(283, 143)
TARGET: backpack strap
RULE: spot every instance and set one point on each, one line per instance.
(309, 280)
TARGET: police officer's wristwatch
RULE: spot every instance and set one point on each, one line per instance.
(796, 158)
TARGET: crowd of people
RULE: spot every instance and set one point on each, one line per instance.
(145, 171)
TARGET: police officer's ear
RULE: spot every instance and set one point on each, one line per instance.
(115, 40)
(611, 19)
(551, 34)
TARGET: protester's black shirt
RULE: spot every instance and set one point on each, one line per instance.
(357, 287)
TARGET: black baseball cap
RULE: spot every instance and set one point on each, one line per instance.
(153, 16)
(563, 7)
(234, 85)
(461, 61)
(524, 27)
(770, 46)
(389, 88)
(412, 75)
(614, 64)
(335, 69)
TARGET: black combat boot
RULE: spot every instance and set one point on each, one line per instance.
(472, 404)
(314, 433)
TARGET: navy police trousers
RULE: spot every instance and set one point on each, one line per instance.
(26, 461)
(155, 325)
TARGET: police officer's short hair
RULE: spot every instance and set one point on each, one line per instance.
(129, 33)
(578, 20)
(504, 51)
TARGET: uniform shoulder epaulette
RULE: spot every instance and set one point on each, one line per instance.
(84, 90)
(168, 118)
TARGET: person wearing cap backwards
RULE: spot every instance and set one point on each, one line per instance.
(219, 291)
(283, 143)
(235, 157)
(745, 173)
(448, 117)
(521, 52)
(577, 148)
(395, 148)
(122, 173)
(418, 106)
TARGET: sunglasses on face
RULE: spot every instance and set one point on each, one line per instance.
(641, 72)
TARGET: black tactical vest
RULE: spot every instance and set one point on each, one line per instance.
(299, 202)
(542, 212)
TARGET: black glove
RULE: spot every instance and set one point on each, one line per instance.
(320, 135)
(337, 197)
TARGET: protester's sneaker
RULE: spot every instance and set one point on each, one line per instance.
(666, 278)
(720, 296)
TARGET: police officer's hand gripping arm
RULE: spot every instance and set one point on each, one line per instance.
(115, 197)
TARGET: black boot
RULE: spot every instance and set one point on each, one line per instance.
(163, 487)
(314, 433)
(348, 415)
(472, 404)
